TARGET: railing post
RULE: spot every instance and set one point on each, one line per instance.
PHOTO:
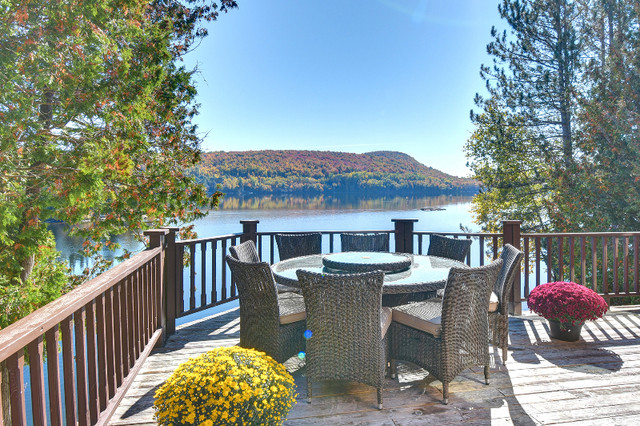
(157, 238)
(249, 231)
(172, 266)
(404, 235)
(511, 235)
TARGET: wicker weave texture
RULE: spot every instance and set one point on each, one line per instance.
(372, 241)
(245, 252)
(295, 245)
(464, 336)
(451, 248)
(260, 326)
(499, 320)
(343, 315)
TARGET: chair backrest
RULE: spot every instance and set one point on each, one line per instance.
(511, 258)
(294, 245)
(372, 241)
(465, 305)
(258, 297)
(245, 252)
(451, 248)
(343, 315)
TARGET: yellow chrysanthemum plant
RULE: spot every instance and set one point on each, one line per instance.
(231, 386)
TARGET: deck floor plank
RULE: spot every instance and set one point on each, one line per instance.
(544, 382)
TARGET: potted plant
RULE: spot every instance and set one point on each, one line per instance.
(566, 305)
(231, 386)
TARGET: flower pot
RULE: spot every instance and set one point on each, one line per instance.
(563, 331)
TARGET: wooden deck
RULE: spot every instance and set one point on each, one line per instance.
(545, 381)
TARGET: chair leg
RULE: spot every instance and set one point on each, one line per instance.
(379, 391)
(504, 353)
(393, 369)
(445, 392)
(486, 374)
(308, 390)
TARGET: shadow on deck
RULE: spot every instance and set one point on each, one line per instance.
(545, 381)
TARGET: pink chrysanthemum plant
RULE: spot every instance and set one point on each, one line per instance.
(566, 302)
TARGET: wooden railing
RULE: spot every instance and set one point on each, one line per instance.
(109, 325)
(91, 342)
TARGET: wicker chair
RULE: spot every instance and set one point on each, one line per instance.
(448, 337)
(372, 241)
(499, 310)
(268, 322)
(294, 245)
(452, 248)
(245, 252)
(348, 326)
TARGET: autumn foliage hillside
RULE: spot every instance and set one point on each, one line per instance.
(293, 171)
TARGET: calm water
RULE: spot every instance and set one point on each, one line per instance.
(304, 214)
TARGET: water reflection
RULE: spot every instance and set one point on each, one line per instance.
(330, 202)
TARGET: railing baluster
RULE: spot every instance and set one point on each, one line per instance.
(594, 263)
(53, 376)
(15, 365)
(92, 373)
(109, 344)
(203, 274)
(102, 351)
(526, 266)
(124, 325)
(538, 260)
(614, 241)
(81, 381)
(223, 281)
(625, 264)
(495, 248)
(549, 261)
(272, 252)
(192, 278)
(117, 335)
(481, 254)
(560, 259)
(605, 286)
(636, 262)
(583, 262)
(180, 284)
(69, 373)
(214, 271)
(572, 259)
(36, 360)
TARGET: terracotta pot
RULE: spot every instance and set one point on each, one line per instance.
(566, 332)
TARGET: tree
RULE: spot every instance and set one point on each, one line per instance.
(530, 111)
(608, 196)
(95, 129)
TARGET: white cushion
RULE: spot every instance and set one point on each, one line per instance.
(425, 316)
(291, 308)
(493, 302)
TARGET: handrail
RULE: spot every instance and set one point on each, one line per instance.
(22, 332)
(105, 329)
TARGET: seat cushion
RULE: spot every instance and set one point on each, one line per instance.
(291, 308)
(385, 319)
(424, 316)
(494, 302)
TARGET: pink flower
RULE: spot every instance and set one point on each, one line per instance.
(567, 302)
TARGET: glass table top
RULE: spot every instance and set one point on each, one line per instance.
(426, 273)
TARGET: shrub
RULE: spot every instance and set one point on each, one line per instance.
(567, 302)
(233, 385)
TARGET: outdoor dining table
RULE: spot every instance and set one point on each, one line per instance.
(404, 273)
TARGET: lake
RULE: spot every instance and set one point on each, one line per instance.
(295, 213)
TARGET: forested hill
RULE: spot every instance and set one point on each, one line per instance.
(379, 172)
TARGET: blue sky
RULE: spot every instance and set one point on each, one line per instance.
(345, 75)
